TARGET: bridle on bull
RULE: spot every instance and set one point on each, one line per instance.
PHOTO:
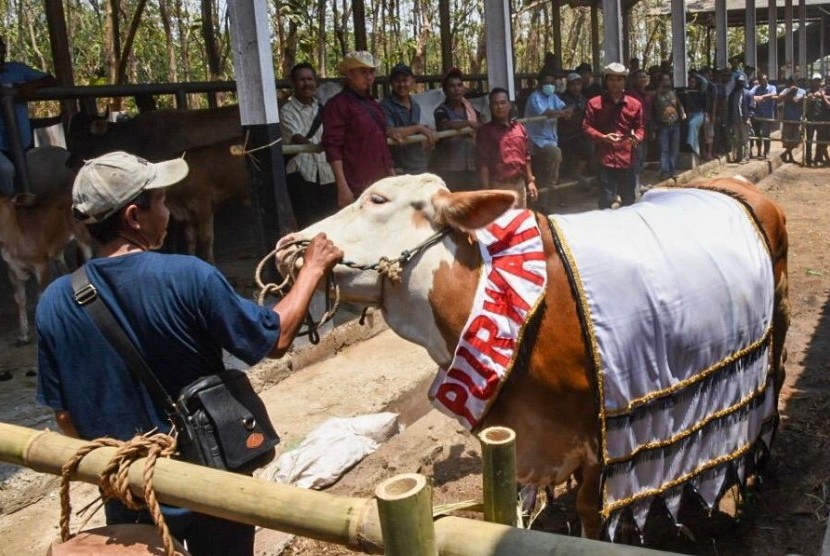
(391, 269)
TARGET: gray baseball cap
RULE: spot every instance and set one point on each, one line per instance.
(106, 184)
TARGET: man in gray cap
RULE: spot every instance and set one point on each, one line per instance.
(180, 313)
(614, 122)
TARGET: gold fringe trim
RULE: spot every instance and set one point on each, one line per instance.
(697, 426)
(607, 509)
(651, 396)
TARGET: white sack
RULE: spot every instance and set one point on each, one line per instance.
(332, 449)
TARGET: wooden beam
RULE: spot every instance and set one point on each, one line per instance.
(61, 58)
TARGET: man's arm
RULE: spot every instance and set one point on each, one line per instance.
(320, 257)
(344, 192)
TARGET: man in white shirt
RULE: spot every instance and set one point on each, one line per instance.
(310, 178)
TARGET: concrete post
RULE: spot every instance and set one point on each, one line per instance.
(750, 30)
(255, 85)
(678, 34)
(500, 71)
(772, 55)
(612, 32)
(789, 43)
(595, 59)
(802, 37)
(721, 43)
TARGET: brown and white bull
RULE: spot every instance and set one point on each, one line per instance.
(33, 237)
(551, 402)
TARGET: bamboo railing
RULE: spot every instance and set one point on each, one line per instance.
(344, 520)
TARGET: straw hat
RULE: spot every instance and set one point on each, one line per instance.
(357, 59)
(614, 68)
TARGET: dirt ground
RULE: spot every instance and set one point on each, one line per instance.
(786, 513)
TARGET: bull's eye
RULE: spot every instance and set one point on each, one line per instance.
(377, 199)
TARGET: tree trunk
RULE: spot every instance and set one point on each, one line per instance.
(419, 57)
(214, 61)
(112, 43)
(33, 40)
(172, 68)
(321, 38)
(573, 38)
(289, 49)
(128, 42)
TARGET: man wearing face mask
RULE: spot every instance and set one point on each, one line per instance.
(546, 156)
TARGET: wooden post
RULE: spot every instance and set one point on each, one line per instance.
(446, 35)
(59, 43)
(626, 37)
(498, 455)
(405, 511)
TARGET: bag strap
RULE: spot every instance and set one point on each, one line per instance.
(86, 295)
(316, 123)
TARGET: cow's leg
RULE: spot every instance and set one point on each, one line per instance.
(190, 237)
(205, 234)
(18, 277)
(780, 324)
(587, 500)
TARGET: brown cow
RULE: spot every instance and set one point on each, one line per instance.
(551, 399)
(216, 176)
(33, 237)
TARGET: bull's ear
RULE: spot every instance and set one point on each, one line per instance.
(471, 210)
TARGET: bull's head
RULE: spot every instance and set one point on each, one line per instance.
(395, 215)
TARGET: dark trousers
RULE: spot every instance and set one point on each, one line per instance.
(616, 181)
(204, 535)
(761, 129)
(814, 133)
(311, 202)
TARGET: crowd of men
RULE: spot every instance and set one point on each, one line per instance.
(716, 113)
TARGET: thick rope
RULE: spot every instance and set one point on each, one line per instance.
(114, 481)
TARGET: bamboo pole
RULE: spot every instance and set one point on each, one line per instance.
(498, 455)
(347, 521)
(405, 510)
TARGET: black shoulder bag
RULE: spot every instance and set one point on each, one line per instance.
(219, 420)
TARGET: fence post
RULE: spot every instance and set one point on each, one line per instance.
(405, 511)
(498, 454)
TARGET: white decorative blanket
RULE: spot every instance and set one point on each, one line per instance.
(677, 293)
(511, 288)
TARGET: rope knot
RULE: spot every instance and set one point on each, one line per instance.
(393, 269)
(114, 480)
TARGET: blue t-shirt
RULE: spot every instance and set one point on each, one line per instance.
(411, 157)
(15, 73)
(543, 134)
(765, 108)
(178, 310)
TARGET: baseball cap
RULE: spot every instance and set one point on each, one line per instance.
(573, 77)
(357, 59)
(816, 76)
(107, 183)
(401, 68)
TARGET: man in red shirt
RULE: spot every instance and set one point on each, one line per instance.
(614, 122)
(354, 130)
(503, 153)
